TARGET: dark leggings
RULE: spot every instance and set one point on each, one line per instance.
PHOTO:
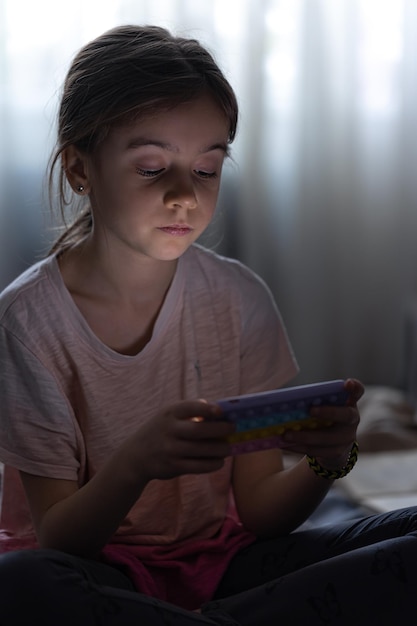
(360, 572)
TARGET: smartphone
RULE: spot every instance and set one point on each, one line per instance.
(262, 418)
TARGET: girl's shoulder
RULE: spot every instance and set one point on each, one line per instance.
(223, 272)
(28, 290)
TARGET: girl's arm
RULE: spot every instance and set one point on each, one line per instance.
(82, 520)
(272, 500)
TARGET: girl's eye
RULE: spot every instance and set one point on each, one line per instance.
(149, 173)
(204, 174)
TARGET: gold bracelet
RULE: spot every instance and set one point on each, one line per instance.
(335, 474)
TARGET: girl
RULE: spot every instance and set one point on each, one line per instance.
(116, 347)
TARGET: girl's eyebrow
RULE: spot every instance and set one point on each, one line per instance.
(138, 142)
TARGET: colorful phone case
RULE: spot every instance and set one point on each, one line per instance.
(262, 418)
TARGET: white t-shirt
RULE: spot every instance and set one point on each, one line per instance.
(67, 400)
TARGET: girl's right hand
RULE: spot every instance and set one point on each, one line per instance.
(81, 520)
(185, 438)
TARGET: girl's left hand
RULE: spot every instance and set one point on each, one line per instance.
(330, 445)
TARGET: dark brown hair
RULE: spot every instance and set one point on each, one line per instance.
(119, 76)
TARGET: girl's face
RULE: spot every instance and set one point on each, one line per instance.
(154, 183)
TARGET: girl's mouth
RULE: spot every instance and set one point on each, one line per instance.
(176, 230)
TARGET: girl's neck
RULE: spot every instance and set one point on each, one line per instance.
(119, 299)
(125, 277)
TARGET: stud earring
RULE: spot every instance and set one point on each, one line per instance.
(80, 188)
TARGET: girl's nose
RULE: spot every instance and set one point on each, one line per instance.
(181, 194)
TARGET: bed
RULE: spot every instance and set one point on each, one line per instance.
(385, 476)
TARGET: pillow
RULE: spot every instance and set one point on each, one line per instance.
(387, 420)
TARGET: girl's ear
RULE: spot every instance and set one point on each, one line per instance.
(75, 166)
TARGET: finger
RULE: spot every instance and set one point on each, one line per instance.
(193, 408)
(208, 449)
(199, 465)
(206, 429)
(316, 449)
(355, 389)
(328, 416)
(189, 447)
(335, 436)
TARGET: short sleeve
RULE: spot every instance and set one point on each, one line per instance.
(38, 432)
(267, 358)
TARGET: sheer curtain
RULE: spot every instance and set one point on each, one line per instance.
(320, 197)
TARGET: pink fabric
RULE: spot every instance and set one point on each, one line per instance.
(186, 574)
(9, 543)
